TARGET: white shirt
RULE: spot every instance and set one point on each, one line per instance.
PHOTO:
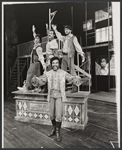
(40, 55)
(50, 46)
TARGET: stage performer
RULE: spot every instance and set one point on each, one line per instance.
(56, 93)
(70, 44)
(37, 59)
(51, 47)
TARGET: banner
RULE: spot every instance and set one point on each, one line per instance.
(101, 15)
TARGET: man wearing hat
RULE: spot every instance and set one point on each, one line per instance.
(70, 44)
(36, 60)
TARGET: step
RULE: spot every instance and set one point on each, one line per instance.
(112, 89)
(13, 76)
(15, 70)
(68, 84)
(22, 60)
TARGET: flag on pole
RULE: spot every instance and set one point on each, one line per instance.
(52, 15)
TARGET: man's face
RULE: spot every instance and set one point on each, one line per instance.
(103, 63)
(37, 40)
(67, 31)
(51, 35)
(55, 65)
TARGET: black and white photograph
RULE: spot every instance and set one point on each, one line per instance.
(60, 74)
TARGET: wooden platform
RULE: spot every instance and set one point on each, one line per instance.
(33, 107)
(109, 97)
(100, 132)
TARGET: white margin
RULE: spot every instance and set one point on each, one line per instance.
(116, 33)
(2, 78)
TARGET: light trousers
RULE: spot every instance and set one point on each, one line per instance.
(68, 62)
(34, 69)
(56, 109)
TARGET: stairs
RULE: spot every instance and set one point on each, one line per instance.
(13, 76)
(83, 74)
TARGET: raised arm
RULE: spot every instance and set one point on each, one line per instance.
(47, 30)
(58, 34)
(33, 30)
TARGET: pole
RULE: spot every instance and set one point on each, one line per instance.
(18, 68)
(49, 19)
(6, 65)
(72, 16)
(108, 49)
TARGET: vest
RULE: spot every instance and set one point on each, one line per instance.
(62, 75)
(34, 55)
(71, 48)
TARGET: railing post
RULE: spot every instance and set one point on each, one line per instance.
(59, 44)
(78, 71)
(18, 77)
(89, 73)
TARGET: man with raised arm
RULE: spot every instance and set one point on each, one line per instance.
(70, 44)
(51, 47)
(36, 60)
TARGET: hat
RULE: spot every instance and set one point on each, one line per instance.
(68, 27)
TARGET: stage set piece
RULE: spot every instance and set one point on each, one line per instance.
(33, 107)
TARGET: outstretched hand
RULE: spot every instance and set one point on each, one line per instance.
(46, 26)
(83, 58)
(77, 81)
(54, 27)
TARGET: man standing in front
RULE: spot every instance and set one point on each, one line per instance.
(56, 93)
(70, 44)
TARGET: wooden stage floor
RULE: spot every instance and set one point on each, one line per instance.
(100, 132)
